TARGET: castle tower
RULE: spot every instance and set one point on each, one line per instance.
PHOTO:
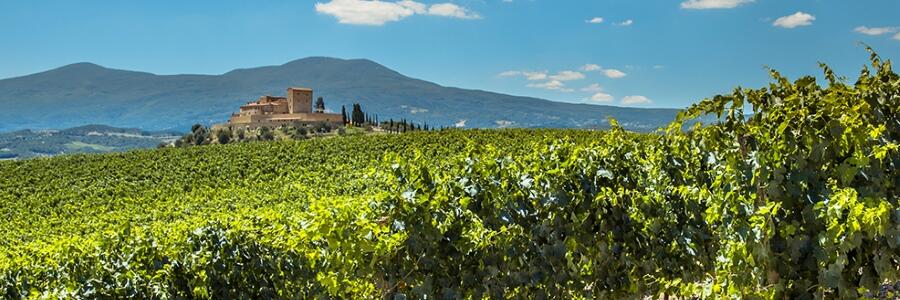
(299, 100)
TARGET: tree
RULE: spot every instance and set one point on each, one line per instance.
(223, 136)
(320, 105)
(265, 134)
(199, 134)
(358, 117)
(344, 114)
(323, 127)
(299, 133)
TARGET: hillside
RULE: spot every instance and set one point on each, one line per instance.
(85, 93)
(23, 144)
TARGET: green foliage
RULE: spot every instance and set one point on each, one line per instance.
(266, 134)
(803, 196)
(357, 116)
(223, 136)
(796, 200)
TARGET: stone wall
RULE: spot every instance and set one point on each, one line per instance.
(275, 120)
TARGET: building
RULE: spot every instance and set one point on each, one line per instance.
(270, 111)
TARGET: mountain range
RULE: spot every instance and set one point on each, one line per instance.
(86, 93)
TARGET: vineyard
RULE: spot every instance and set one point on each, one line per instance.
(791, 193)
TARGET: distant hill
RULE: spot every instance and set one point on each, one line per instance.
(23, 144)
(85, 93)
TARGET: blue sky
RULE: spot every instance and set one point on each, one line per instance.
(647, 53)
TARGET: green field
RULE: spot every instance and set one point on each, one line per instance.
(75, 146)
(792, 193)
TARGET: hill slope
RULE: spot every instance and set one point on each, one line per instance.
(84, 139)
(85, 93)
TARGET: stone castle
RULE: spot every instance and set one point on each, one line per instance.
(269, 111)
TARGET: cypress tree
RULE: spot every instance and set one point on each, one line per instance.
(358, 116)
(353, 113)
(344, 114)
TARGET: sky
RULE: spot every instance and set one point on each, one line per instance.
(641, 53)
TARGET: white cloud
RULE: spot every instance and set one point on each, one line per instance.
(596, 20)
(593, 88)
(541, 75)
(544, 80)
(549, 85)
(713, 4)
(365, 12)
(896, 37)
(658, 67)
(590, 67)
(635, 100)
(625, 23)
(451, 10)
(417, 7)
(567, 76)
(613, 73)
(597, 94)
(460, 124)
(601, 97)
(875, 30)
(378, 12)
(792, 21)
(530, 75)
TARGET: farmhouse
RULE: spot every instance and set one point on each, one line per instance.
(270, 111)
